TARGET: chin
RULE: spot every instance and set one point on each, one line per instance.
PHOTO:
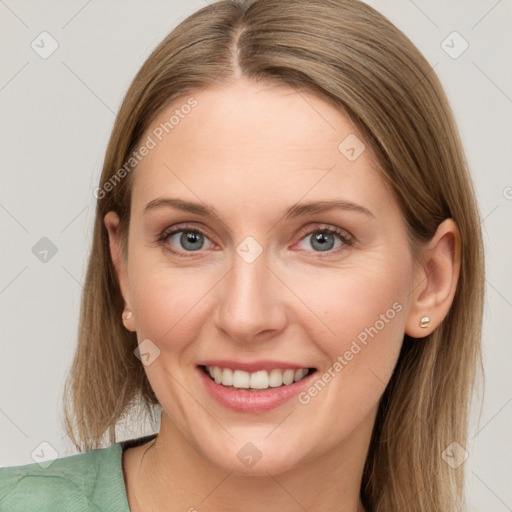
(260, 457)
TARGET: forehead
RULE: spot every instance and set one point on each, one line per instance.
(253, 141)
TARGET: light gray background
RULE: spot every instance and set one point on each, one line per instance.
(55, 120)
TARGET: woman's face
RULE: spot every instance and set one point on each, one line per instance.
(262, 239)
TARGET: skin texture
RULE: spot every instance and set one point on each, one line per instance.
(251, 151)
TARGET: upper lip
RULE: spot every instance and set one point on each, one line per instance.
(252, 366)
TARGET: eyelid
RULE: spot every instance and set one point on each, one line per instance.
(183, 227)
(319, 227)
(347, 239)
(177, 228)
(345, 236)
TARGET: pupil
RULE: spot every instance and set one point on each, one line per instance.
(189, 240)
(324, 241)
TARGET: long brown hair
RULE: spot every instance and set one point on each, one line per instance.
(349, 54)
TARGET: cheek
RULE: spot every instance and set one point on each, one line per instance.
(167, 301)
(350, 300)
(359, 360)
(361, 316)
(369, 306)
(366, 308)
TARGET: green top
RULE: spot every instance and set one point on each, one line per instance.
(91, 481)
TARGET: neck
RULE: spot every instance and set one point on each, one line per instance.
(170, 474)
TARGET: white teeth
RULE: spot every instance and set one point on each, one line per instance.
(241, 379)
(217, 374)
(227, 377)
(299, 374)
(288, 377)
(259, 380)
(276, 378)
(255, 380)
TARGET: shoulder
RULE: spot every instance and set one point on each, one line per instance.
(91, 481)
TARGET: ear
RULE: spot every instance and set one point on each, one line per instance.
(435, 280)
(111, 221)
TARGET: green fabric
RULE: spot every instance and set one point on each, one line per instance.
(91, 482)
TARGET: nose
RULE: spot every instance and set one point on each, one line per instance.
(251, 302)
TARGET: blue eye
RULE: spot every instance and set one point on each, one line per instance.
(323, 240)
(187, 240)
(182, 240)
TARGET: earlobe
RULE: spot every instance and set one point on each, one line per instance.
(128, 320)
(435, 282)
(111, 221)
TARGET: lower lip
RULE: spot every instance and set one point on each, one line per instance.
(244, 400)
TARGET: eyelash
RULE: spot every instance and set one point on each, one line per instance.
(344, 236)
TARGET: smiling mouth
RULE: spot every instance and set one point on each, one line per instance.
(255, 381)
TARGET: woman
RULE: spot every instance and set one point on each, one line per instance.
(287, 260)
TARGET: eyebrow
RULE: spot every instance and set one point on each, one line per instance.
(297, 210)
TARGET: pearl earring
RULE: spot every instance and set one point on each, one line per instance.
(424, 322)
